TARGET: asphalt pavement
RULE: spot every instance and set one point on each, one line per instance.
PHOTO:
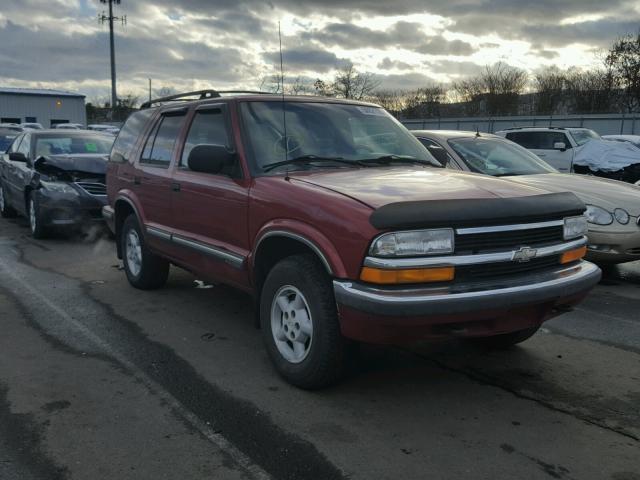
(102, 381)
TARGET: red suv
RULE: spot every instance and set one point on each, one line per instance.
(340, 224)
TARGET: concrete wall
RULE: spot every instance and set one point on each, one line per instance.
(43, 107)
(609, 124)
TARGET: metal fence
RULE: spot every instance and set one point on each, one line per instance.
(604, 124)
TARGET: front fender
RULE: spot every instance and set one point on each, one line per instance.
(307, 234)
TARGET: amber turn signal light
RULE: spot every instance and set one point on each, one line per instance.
(413, 275)
(573, 255)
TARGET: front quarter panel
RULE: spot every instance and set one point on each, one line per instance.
(337, 225)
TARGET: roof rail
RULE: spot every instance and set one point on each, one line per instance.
(181, 96)
(533, 126)
(203, 94)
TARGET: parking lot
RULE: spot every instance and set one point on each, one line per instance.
(99, 380)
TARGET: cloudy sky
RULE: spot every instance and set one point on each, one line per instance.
(191, 44)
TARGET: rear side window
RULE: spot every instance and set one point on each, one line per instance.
(537, 140)
(160, 144)
(129, 133)
(208, 128)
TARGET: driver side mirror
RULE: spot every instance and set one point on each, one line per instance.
(560, 146)
(17, 157)
(210, 158)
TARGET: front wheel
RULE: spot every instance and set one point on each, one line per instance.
(144, 269)
(299, 322)
(506, 340)
(38, 230)
(5, 210)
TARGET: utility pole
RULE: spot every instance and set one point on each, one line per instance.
(110, 18)
(149, 89)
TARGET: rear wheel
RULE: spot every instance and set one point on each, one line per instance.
(300, 324)
(38, 230)
(144, 269)
(5, 210)
(506, 340)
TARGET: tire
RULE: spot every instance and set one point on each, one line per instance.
(307, 350)
(144, 269)
(506, 340)
(38, 230)
(5, 210)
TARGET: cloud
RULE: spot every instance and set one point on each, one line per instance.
(305, 59)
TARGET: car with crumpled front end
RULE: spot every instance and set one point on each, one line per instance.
(340, 225)
(55, 178)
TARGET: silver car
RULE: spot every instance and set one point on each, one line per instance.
(613, 207)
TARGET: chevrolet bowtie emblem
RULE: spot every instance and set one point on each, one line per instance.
(524, 254)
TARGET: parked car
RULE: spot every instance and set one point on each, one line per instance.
(32, 126)
(110, 129)
(55, 179)
(340, 225)
(579, 150)
(613, 207)
(69, 126)
(12, 126)
(632, 139)
(6, 138)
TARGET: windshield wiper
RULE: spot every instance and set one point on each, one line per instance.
(388, 159)
(306, 159)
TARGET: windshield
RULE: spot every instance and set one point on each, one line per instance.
(76, 144)
(583, 135)
(6, 139)
(496, 157)
(326, 131)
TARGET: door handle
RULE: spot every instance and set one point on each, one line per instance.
(136, 180)
(175, 186)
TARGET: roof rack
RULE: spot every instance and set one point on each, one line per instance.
(534, 126)
(202, 94)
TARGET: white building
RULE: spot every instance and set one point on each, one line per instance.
(47, 107)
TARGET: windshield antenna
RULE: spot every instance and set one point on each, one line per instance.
(284, 112)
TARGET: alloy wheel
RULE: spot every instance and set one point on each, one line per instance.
(291, 324)
(133, 252)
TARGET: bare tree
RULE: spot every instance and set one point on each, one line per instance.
(550, 85)
(292, 86)
(591, 91)
(391, 100)
(424, 102)
(623, 62)
(495, 90)
(349, 83)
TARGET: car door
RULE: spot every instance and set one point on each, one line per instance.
(542, 143)
(18, 174)
(152, 177)
(210, 210)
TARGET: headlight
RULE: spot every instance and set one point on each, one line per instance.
(622, 216)
(598, 215)
(575, 227)
(60, 187)
(413, 243)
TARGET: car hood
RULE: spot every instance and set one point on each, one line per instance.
(379, 186)
(85, 163)
(602, 192)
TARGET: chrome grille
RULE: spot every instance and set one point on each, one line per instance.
(506, 240)
(93, 188)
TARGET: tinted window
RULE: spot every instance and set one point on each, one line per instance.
(160, 151)
(128, 135)
(64, 144)
(538, 140)
(436, 150)
(208, 128)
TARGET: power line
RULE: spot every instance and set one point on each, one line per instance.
(102, 18)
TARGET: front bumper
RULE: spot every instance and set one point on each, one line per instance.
(615, 246)
(395, 315)
(62, 210)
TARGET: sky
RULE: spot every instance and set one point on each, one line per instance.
(225, 44)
